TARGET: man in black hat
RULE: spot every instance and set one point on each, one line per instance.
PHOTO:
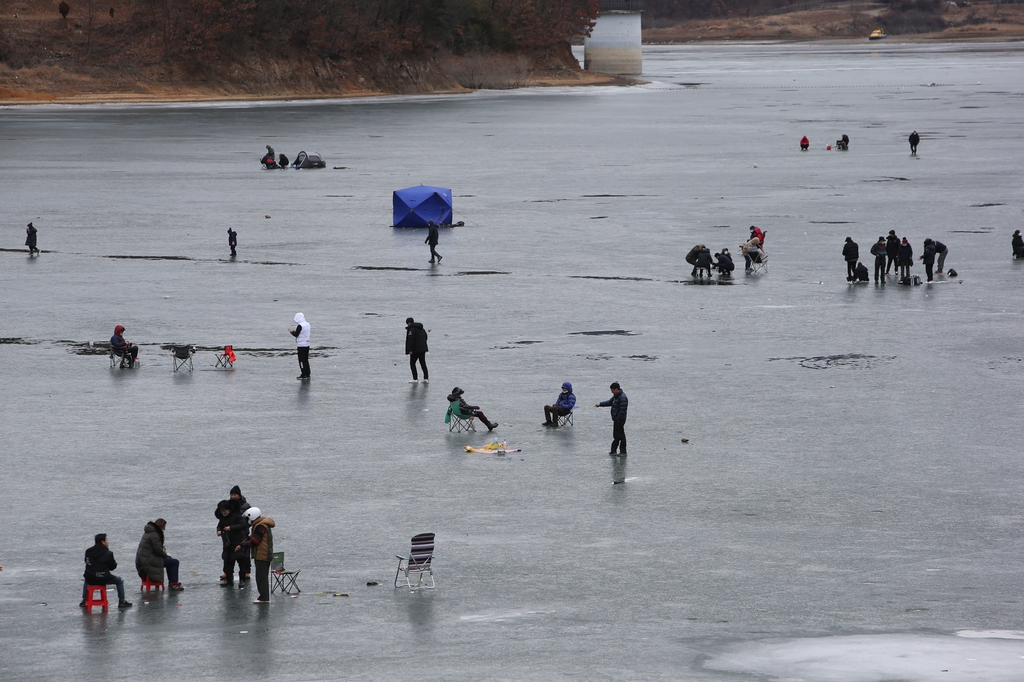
(466, 408)
(878, 251)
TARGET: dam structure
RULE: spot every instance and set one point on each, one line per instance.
(613, 47)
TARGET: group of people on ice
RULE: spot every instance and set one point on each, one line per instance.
(892, 251)
(704, 263)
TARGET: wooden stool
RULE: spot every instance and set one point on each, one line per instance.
(147, 585)
(90, 597)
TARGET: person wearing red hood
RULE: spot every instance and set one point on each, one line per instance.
(120, 346)
(804, 143)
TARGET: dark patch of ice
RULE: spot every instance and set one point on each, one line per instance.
(625, 279)
(481, 272)
(598, 217)
(17, 341)
(831, 222)
(385, 267)
(985, 205)
(611, 332)
(644, 358)
(846, 361)
(889, 178)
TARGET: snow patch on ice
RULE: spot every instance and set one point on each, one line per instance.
(874, 658)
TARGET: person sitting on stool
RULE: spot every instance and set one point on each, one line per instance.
(151, 558)
(99, 562)
(563, 406)
(122, 347)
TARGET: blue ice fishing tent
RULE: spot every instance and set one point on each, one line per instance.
(414, 206)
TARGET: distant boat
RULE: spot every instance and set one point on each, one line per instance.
(877, 35)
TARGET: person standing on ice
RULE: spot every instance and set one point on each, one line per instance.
(1017, 243)
(878, 251)
(914, 139)
(892, 252)
(432, 240)
(301, 334)
(906, 260)
(416, 348)
(619, 404)
(851, 252)
(261, 545)
(928, 257)
(30, 239)
(232, 240)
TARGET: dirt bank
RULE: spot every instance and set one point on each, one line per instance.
(976, 21)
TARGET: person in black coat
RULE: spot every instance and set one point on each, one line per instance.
(416, 348)
(99, 562)
(30, 239)
(914, 139)
(906, 260)
(232, 241)
(432, 240)
(691, 258)
(724, 263)
(878, 251)
(860, 273)
(851, 252)
(620, 405)
(232, 529)
(704, 262)
(892, 252)
(928, 257)
(1017, 242)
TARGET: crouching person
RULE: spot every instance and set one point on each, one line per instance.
(151, 558)
(99, 562)
(261, 543)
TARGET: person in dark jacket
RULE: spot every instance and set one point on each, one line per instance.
(261, 544)
(232, 529)
(878, 251)
(30, 239)
(843, 143)
(691, 258)
(704, 262)
(892, 252)
(416, 348)
(724, 263)
(928, 257)
(120, 346)
(914, 139)
(466, 408)
(851, 252)
(432, 240)
(619, 404)
(99, 562)
(232, 241)
(941, 250)
(239, 505)
(151, 558)
(860, 273)
(1017, 242)
(563, 405)
(906, 260)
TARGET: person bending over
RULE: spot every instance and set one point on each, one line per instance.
(466, 408)
(563, 405)
(724, 263)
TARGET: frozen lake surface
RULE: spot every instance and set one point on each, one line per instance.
(848, 506)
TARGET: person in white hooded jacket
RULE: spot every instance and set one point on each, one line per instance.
(301, 334)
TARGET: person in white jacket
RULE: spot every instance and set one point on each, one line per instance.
(301, 334)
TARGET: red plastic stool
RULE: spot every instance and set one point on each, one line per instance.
(90, 597)
(147, 585)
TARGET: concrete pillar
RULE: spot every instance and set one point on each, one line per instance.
(613, 46)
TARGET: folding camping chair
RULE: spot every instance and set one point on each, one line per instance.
(457, 421)
(227, 358)
(565, 419)
(285, 580)
(182, 355)
(758, 263)
(418, 561)
(122, 360)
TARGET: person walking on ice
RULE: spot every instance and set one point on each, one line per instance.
(232, 241)
(619, 404)
(30, 239)
(432, 240)
(301, 334)
(914, 139)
